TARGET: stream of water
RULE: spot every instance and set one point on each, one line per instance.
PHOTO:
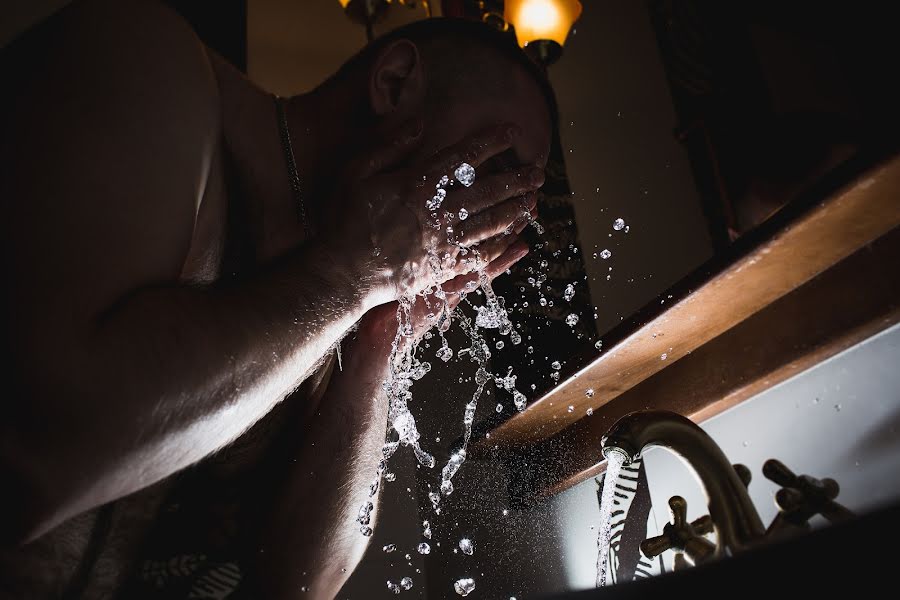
(614, 461)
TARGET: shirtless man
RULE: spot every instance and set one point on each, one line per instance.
(168, 286)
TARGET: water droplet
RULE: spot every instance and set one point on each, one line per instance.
(542, 301)
(465, 174)
(604, 254)
(393, 587)
(464, 586)
(390, 548)
(589, 392)
(598, 344)
(364, 515)
(463, 214)
(445, 353)
(424, 548)
(436, 200)
(619, 224)
(837, 408)
(555, 365)
(519, 400)
(390, 477)
(572, 320)
(590, 411)
(499, 408)
(444, 180)
(664, 356)
(571, 408)
(467, 546)
(569, 293)
(406, 583)
(499, 345)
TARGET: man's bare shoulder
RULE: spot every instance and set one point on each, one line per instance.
(114, 51)
(113, 123)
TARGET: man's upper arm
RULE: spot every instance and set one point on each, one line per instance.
(110, 140)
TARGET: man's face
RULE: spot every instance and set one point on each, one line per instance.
(471, 112)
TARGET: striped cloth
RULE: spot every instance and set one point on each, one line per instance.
(632, 523)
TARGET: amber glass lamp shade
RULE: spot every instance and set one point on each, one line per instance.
(364, 11)
(540, 20)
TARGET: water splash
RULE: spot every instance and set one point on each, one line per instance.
(479, 353)
(405, 368)
(614, 462)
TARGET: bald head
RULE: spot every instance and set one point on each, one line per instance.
(460, 56)
(458, 77)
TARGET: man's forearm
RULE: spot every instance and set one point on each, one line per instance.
(312, 540)
(172, 374)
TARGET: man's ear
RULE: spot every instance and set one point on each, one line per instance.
(397, 79)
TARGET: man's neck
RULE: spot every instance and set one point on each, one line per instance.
(252, 135)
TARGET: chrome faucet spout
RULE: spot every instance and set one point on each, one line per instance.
(737, 524)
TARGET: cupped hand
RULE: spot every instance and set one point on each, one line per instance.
(381, 322)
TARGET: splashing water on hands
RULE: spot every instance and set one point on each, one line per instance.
(404, 368)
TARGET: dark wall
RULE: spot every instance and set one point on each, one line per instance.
(221, 24)
(772, 95)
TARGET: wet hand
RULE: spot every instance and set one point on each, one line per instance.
(397, 244)
(380, 323)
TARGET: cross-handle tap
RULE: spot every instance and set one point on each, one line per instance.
(801, 497)
(681, 536)
(686, 538)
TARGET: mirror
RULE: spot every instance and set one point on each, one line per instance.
(692, 123)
